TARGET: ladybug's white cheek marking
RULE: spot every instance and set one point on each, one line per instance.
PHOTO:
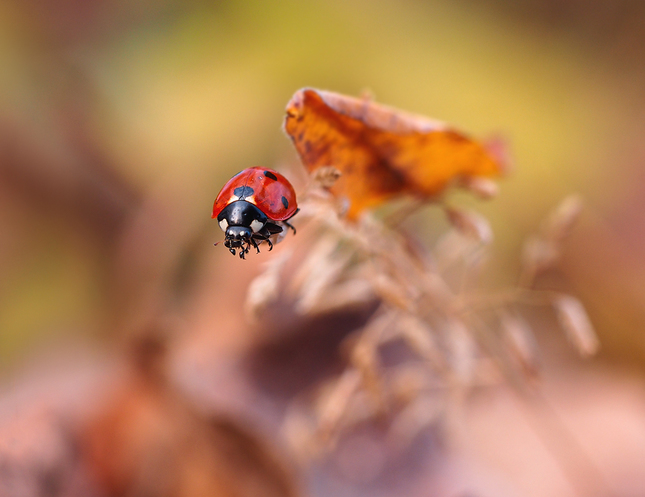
(256, 225)
(223, 224)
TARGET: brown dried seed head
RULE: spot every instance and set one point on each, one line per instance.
(263, 290)
(418, 335)
(576, 323)
(320, 284)
(470, 224)
(483, 188)
(325, 176)
(564, 217)
(365, 359)
(355, 292)
(325, 245)
(463, 350)
(319, 271)
(333, 405)
(450, 248)
(539, 254)
(391, 292)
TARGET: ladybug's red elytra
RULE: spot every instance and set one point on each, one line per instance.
(254, 206)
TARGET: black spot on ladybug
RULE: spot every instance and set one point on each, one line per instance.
(243, 191)
(270, 175)
(285, 202)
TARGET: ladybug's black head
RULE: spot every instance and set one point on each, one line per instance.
(240, 220)
(236, 236)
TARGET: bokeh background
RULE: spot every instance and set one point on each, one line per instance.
(120, 121)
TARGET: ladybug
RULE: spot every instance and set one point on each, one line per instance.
(254, 206)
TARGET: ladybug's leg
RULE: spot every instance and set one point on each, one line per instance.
(290, 226)
(270, 229)
(227, 244)
(248, 246)
(287, 221)
(244, 250)
(263, 235)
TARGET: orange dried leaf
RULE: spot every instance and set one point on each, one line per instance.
(380, 151)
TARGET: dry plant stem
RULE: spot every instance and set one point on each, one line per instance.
(492, 345)
(519, 337)
(578, 467)
(446, 328)
(576, 324)
(334, 407)
(472, 269)
(570, 312)
(420, 413)
(420, 338)
(527, 276)
(398, 216)
(475, 302)
(542, 251)
(365, 359)
(263, 290)
(412, 290)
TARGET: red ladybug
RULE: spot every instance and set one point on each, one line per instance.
(254, 206)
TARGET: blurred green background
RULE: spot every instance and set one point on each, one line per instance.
(120, 120)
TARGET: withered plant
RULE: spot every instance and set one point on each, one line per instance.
(457, 337)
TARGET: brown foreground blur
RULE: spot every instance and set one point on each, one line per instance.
(133, 363)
